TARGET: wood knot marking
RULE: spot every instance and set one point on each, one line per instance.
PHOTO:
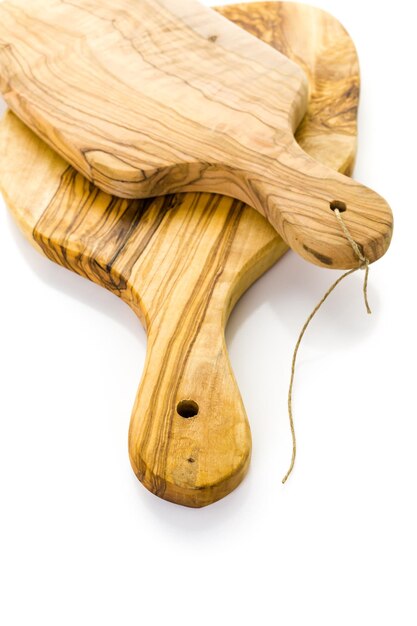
(213, 38)
(191, 460)
(325, 260)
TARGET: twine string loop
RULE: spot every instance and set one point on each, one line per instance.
(364, 264)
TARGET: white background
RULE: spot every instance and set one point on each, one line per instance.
(82, 542)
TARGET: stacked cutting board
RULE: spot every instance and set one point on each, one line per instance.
(140, 136)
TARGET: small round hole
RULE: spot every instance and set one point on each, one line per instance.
(338, 204)
(187, 408)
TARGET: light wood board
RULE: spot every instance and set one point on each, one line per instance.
(181, 262)
(158, 96)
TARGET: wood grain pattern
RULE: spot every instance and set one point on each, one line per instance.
(320, 45)
(158, 96)
(181, 263)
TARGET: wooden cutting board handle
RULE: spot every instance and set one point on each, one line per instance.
(189, 437)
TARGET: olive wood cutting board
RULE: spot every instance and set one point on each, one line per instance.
(182, 262)
(159, 96)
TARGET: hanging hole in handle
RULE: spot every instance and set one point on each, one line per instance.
(187, 408)
(338, 204)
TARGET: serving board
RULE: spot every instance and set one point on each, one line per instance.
(159, 96)
(182, 262)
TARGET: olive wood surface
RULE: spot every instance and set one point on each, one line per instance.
(160, 96)
(182, 262)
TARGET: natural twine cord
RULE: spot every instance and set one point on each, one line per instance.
(364, 264)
